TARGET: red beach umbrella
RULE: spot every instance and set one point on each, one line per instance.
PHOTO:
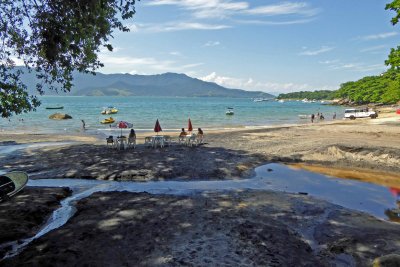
(395, 191)
(157, 127)
(190, 127)
(124, 125)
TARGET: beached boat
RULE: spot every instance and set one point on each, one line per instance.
(108, 121)
(229, 111)
(55, 107)
(109, 110)
(11, 183)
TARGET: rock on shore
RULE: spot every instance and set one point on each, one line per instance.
(60, 116)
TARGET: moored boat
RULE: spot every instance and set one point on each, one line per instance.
(108, 121)
(55, 107)
(109, 110)
(229, 111)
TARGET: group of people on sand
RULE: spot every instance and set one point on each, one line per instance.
(321, 117)
(132, 135)
(184, 133)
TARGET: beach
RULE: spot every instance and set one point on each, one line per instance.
(233, 228)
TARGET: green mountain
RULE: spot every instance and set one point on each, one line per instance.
(167, 84)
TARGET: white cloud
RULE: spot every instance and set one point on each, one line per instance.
(321, 50)
(379, 36)
(358, 67)
(212, 43)
(123, 64)
(275, 23)
(189, 66)
(175, 53)
(222, 9)
(252, 85)
(373, 48)
(287, 8)
(329, 61)
(177, 26)
(205, 8)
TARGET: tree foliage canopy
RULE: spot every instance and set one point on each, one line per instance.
(394, 57)
(53, 38)
(317, 95)
(384, 88)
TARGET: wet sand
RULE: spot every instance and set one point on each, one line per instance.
(236, 228)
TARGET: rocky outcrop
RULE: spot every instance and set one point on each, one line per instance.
(60, 116)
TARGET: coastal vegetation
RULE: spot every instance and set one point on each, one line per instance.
(384, 88)
(317, 95)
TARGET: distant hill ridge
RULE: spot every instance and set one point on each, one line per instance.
(166, 84)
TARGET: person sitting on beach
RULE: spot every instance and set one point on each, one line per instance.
(183, 133)
(182, 136)
(321, 117)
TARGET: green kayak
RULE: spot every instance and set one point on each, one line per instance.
(11, 183)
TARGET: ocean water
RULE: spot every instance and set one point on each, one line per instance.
(172, 112)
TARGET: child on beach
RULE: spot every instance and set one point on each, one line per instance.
(312, 118)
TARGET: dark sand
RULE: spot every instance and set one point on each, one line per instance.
(247, 228)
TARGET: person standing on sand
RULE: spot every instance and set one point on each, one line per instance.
(334, 115)
(83, 125)
(312, 118)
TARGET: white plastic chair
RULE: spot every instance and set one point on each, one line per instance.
(192, 140)
(148, 141)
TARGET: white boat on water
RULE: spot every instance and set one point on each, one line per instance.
(304, 116)
(229, 111)
(261, 99)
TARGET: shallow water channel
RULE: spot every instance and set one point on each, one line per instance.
(366, 197)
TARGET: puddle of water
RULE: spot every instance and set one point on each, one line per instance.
(367, 197)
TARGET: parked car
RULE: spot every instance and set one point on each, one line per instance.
(353, 113)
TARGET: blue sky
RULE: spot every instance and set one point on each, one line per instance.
(271, 46)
